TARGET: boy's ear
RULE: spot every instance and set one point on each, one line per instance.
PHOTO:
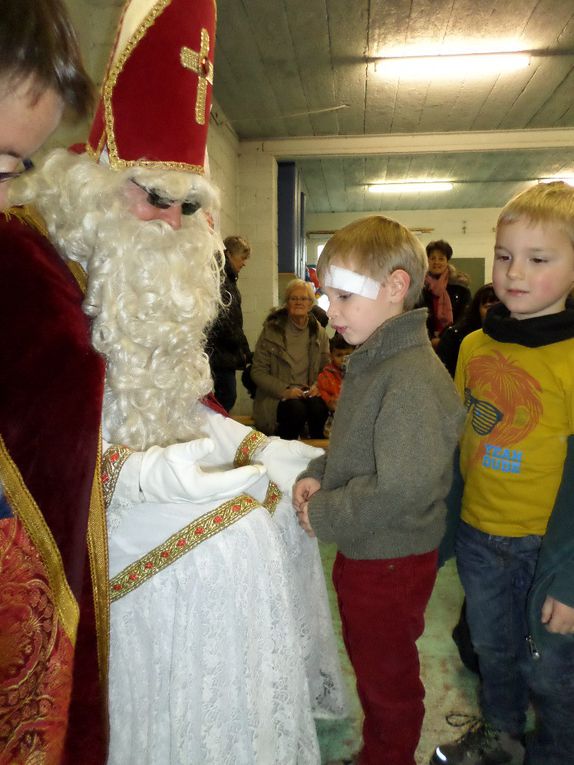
(398, 282)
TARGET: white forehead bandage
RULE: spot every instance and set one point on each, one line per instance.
(349, 281)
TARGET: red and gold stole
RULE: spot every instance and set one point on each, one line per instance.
(54, 609)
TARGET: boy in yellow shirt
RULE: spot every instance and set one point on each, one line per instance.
(515, 542)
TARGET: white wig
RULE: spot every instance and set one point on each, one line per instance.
(151, 292)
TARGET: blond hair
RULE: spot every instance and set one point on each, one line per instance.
(294, 284)
(544, 203)
(377, 246)
(236, 243)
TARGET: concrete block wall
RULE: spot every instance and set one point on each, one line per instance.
(247, 185)
(223, 151)
(257, 220)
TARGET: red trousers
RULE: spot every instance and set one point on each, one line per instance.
(382, 605)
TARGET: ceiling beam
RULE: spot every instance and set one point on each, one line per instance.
(411, 143)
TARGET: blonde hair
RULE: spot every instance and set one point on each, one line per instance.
(544, 203)
(236, 243)
(294, 284)
(377, 246)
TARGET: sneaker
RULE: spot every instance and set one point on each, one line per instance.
(480, 745)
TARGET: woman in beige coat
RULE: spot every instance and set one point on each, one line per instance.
(291, 351)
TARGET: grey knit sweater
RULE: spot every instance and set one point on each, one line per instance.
(389, 463)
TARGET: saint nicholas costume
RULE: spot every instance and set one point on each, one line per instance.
(221, 645)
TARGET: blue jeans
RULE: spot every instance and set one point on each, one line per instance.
(497, 573)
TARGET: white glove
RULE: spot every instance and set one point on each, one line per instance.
(284, 460)
(173, 474)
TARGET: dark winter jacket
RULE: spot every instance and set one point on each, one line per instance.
(449, 346)
(227, 346)
(459, 294)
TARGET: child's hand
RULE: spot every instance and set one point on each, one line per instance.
(313, 390)
(557, 617)
(303, 519)
(304, 490)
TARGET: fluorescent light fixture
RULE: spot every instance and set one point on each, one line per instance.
(409, 187)
(569, 179)
(450, 66)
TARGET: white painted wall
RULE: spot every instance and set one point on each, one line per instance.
(223, 153)
(247, 185)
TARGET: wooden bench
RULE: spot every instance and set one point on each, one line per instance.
(247, 419)
(322, 443)
(244, 419)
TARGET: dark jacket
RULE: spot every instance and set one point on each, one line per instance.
(227, 346)
(272, 366)
(449, 346)
(459, 294)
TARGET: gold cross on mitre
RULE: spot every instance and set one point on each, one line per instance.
(199, 63)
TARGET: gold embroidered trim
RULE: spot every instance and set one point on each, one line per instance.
(122, 164)
(114, 73)
(272, 497)
(199, 63)
(112, 464)
(79, 274)
(25, 507)
(29, 216)
(107, 91)
(179, 544)
(97, 541)
(246, 449)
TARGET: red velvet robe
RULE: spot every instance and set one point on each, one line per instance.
(54, 613)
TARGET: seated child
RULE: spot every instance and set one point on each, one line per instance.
(379, 493)
(330, 378)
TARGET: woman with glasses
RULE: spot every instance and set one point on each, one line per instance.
(291, 351)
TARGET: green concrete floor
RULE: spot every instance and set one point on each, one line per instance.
(450, 687)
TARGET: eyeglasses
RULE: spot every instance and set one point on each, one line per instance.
(484, 415)
(296, 299)
(26, 164)
(164, 203)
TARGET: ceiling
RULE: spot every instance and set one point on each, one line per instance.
(297, 78)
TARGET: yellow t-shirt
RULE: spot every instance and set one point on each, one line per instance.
(520, 411)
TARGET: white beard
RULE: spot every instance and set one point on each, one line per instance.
(151, 292)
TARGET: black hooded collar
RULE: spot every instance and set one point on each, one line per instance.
(532, 333)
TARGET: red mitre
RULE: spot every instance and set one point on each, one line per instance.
(154, 107)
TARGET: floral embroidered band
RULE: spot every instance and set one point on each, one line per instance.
(112, 463)
(272, 497)
(247, 448)
(187, 539)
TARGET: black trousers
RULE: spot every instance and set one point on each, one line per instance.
(225, 387)
(296, 413)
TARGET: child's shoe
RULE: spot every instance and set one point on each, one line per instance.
(481, 745)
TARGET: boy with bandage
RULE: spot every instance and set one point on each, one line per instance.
(379, 493)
